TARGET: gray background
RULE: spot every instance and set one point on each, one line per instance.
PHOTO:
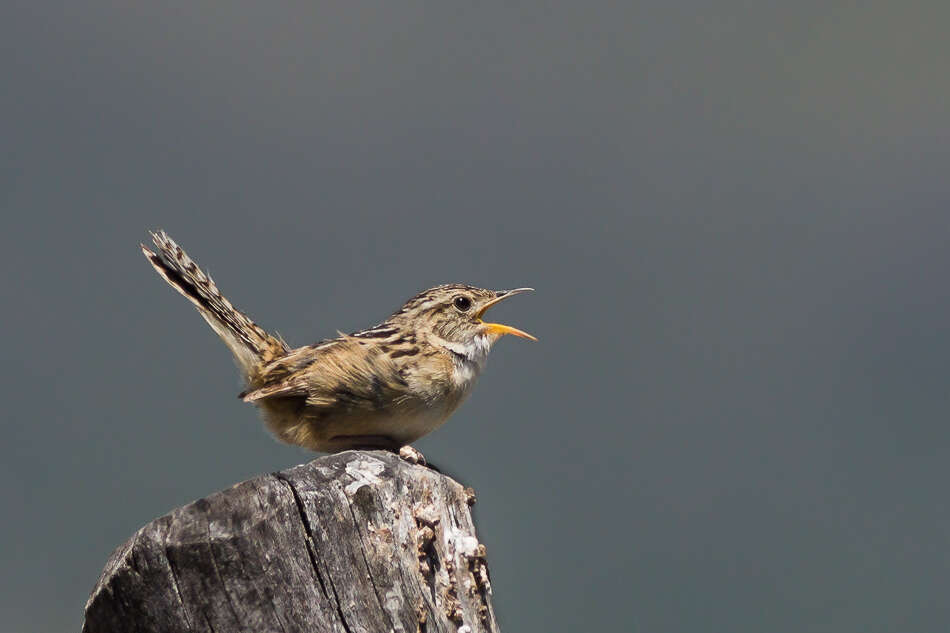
(735, 214)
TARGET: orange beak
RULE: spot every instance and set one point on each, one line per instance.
(497, 328)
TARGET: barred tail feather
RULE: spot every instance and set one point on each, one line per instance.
(251, 345)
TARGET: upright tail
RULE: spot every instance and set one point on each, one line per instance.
(252, 346)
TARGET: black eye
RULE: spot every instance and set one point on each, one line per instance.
(462, 303)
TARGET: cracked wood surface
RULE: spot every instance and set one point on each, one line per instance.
(355, 542)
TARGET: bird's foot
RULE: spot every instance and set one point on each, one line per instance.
(412, 455)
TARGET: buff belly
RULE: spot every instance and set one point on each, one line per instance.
(361, 428)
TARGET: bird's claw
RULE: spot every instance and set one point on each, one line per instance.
(412, 455)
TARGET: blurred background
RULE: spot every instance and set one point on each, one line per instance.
(735, 215)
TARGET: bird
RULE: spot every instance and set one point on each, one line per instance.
(377, 388)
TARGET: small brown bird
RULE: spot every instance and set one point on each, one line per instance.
(378, 388)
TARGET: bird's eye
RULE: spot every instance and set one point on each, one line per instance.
(462, 303)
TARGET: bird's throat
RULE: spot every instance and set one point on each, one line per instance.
(468, 358)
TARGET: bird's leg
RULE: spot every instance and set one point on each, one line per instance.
(376, 442)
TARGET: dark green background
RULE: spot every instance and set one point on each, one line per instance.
(736, 215)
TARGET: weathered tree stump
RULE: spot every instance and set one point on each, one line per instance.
(353, 542)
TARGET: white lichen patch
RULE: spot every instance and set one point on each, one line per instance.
(461, 543)
(326, 471)
(365, 472)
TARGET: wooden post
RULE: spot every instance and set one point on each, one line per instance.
(351, 543)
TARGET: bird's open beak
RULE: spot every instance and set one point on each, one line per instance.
(497, 328)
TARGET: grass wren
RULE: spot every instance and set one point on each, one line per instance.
(378, 388)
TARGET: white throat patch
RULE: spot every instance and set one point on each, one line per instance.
(469, 359)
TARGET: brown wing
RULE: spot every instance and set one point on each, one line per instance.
(346, 372)
(282, 377)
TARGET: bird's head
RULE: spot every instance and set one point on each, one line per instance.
(452, 316)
